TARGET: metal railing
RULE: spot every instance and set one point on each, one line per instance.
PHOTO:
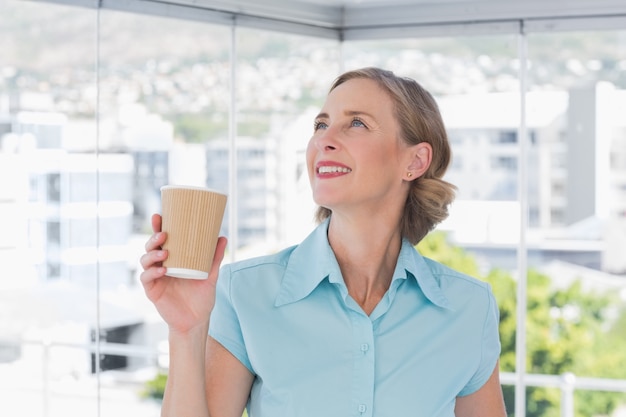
(567, 383)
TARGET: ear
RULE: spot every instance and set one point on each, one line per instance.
(420, 158)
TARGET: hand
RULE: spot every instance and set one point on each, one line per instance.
(184, 304)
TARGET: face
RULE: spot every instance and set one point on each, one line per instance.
(355, 157)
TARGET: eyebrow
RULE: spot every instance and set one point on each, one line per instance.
(347, 113)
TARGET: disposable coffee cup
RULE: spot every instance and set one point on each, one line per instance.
(192, 217)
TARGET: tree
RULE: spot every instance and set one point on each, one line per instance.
(567, 330)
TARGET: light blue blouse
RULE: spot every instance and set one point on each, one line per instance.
(314, 352)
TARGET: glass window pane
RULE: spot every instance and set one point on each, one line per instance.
(577, 229)
(282, 81)
(48, 245)
(164, 98)
(76, 192)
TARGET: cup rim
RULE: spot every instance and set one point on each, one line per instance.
(192, 187)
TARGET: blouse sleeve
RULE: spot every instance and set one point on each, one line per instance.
(490, 351)
(224, 326)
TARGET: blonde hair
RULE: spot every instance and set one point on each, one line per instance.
(420, 121)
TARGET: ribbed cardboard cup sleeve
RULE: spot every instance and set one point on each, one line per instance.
(192, 217)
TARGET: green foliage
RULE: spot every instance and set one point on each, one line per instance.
(436, 247)
(155, 388)
(567, 330)
(199, 127)
(504, 288)
(202, 127)
(254, 127)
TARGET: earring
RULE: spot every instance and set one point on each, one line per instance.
(409, 174)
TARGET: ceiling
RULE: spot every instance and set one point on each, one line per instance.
(367, 19)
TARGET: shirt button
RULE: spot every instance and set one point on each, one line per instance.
(365, 347)
(362, 408)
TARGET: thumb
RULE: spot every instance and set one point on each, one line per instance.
(220, 249)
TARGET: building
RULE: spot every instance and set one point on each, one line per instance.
(575, 178)
(256, 195)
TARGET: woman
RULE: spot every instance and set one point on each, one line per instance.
(353, 321)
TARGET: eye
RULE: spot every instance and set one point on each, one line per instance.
(318, 124)
(356, 122)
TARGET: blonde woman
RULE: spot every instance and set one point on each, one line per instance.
(353, 321)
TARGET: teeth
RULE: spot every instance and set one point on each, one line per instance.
(329, 170)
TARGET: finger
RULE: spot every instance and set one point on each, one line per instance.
(157, 222)
(156, 241)
(220, 248)
(152, 258)
(150, 275)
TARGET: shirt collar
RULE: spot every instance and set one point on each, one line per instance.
(411, 264)
(313, 260)
(309, 264)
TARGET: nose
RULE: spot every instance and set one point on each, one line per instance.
(326, 140)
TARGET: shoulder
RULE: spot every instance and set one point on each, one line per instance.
(278, 259)
(443, 273)
(256, 272)
(257, 278)
(462, 290)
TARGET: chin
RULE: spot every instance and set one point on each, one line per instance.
(322, 200)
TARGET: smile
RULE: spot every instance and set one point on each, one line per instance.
(332, 170)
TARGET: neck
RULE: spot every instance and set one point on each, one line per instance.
(367, 253)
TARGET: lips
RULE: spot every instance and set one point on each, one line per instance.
(331, 169)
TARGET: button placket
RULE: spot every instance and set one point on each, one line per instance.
(364, 365)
